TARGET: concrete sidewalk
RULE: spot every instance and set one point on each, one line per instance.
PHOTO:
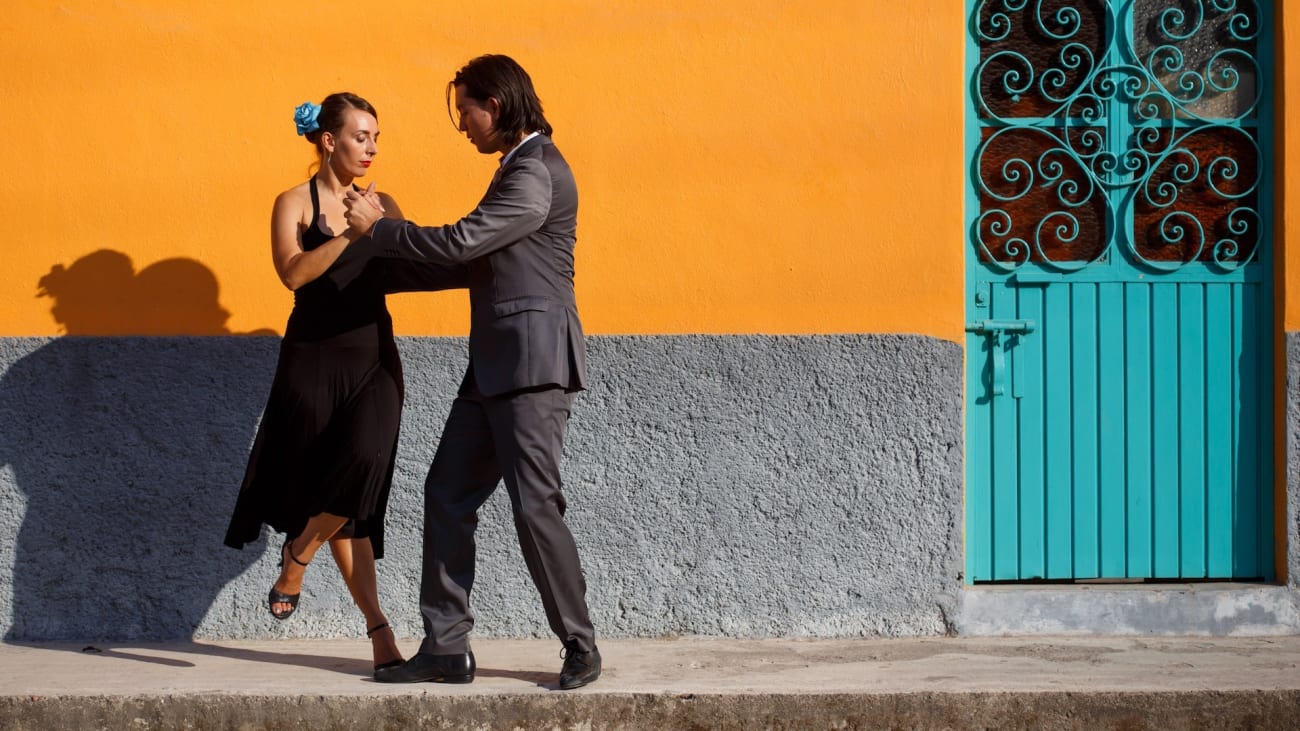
(1054, 682)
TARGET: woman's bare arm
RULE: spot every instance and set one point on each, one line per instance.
(295, 266)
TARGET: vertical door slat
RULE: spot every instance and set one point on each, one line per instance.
(1111, 436)
(1006, 513)
(1032, 427)
(1058, 438)
(1137, 422)
(1248, 452)
(979, 500)
(1164, 429)
(1083, 368)
(1191, 430)
(1218, 429)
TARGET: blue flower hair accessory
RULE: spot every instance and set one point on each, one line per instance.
(305, 117)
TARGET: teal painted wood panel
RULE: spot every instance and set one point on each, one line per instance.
(1031, 452)
(1111, 433)
(1006, 499)
(1125, 442)
(1059, 447)
(1164, 427)
(1138, 432)
(1192, 391)
(1251, 457)
(979, 465)
(1219, 314)
(1083, 429)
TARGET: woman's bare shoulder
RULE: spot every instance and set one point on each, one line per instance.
(294, 200)
(298, 192)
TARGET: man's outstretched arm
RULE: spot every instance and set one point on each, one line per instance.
(517, 206)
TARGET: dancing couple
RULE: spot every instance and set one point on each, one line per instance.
(322, 463)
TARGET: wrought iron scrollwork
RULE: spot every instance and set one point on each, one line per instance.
(1136, 112)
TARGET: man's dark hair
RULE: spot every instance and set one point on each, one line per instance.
(500, 76)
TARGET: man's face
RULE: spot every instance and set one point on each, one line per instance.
(478, 121)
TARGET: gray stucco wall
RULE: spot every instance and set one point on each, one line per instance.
(1292, 508)
(726, 486)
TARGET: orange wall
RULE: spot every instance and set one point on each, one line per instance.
(745, 167)
(762, 167)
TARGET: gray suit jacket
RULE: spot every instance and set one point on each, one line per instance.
(515, 252)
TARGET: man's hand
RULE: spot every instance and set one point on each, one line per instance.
(363, 210)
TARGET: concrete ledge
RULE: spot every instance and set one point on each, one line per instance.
(1219, 610)
(1040, 683)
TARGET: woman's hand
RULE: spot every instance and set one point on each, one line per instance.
(363, 209)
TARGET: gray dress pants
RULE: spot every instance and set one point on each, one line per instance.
(518, 438)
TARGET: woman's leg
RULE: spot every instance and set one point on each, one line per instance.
(300, 551)
(356, 561)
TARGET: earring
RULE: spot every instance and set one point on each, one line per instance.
(328, 157)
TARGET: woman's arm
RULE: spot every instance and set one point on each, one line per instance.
(295, 266)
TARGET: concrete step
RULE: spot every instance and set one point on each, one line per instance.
(1054, 682)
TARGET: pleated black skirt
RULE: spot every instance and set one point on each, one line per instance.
(327, 441)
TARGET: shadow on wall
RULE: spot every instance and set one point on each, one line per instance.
(127, 451)
(102, 294)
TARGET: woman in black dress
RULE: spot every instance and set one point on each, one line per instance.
(322, 462)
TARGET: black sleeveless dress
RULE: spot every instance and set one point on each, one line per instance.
(327, 441)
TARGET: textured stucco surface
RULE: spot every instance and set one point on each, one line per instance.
(1292, 508)
(724, 486)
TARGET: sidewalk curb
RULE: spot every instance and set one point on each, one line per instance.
(593, 710)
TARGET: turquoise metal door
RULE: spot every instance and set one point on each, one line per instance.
(1119, 290)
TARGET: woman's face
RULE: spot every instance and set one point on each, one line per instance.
(354, 147)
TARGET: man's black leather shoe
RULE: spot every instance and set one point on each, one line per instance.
(429, 668)
(579, 668)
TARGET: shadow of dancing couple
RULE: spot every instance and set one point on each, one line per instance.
(322, 462)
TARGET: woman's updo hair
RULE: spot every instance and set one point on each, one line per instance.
(332, 111)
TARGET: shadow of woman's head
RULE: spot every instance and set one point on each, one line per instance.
(102, 294)
(92, 296)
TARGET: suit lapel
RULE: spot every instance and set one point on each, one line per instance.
(523, 150)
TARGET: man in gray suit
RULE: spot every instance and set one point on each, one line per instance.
(526, 362)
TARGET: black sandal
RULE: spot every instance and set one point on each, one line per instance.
(276, 597)
(391, 663)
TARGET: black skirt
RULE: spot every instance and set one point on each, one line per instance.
(327, 441)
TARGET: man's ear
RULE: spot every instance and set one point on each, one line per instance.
(493, 108)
